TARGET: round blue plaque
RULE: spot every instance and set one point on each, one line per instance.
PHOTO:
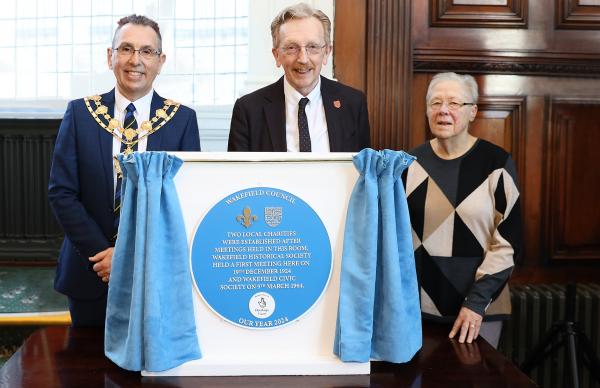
(261, 258)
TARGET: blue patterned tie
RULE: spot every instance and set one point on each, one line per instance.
(129, 122)
(304, 135)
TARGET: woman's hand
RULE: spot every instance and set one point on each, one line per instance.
(469, 323)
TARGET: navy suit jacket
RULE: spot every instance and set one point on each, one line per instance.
(258, 120)
(81, 187)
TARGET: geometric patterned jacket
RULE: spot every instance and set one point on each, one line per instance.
(466, 223)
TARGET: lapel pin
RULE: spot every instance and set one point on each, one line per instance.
(337, 104)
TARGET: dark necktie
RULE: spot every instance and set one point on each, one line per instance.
(304, 135)
(128, 123)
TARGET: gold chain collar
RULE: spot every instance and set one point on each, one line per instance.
(100, 113)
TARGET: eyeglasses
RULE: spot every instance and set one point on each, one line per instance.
(145, 52)
(294, 49)
(452, 105)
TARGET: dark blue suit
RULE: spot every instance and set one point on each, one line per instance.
(81, 188)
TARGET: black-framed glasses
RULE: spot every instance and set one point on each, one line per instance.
(452, 105)
(145, 52)
(294, 49)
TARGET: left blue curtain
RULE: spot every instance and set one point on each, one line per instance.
(150, 321)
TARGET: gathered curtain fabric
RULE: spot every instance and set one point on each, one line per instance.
(150, 321)
(379, 315)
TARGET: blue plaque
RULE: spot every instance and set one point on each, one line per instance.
(261, 258)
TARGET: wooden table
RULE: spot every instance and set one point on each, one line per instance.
(67, 357)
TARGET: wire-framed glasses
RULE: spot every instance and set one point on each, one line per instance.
(145, 52)
(294, 49)
(452, 105)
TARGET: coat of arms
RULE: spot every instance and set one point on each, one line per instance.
(273, 216)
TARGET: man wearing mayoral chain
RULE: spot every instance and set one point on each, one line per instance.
(85, 183)
(302, 111)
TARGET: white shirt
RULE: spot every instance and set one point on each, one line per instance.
(315, 114)
(141, 114)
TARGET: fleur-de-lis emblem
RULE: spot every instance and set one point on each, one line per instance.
(246, 218)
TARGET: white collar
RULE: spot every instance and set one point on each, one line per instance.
(293, 96)
(143, 104)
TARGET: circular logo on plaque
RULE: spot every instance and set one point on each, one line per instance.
(261, 258)
(261, 305)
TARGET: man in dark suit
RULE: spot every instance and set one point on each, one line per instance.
(84, 188)
(302, 111)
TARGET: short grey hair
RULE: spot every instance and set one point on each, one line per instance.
(467, 81)
(300, 11)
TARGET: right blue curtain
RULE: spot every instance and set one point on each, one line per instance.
(379, 315)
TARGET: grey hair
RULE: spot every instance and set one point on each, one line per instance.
(300, 11)
(467, 81)
(139, 20)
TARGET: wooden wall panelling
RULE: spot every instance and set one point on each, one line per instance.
(507, 62)
(419, 129)
(531, 177)
(535, 188)
(478, 13)
(572, 181)
(389, 72)
(349, 43)
(539, 49)
(533, 64)
(502, 121)
(571, 14)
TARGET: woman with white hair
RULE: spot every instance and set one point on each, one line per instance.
(464, 208)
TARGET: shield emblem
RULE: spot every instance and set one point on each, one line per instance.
(273, 216)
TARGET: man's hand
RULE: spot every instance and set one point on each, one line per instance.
(103, 264)
(469, 323)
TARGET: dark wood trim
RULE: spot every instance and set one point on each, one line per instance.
(572, 16)
(74, 357)
(556, 273)
(507, 62)
(389, 72)
(444, 13)
(517, 106)
(555, 187)
(349, 43)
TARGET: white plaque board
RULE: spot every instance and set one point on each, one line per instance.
(304, 347)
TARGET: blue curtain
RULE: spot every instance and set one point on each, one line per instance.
(379, 315)
(150, 321)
